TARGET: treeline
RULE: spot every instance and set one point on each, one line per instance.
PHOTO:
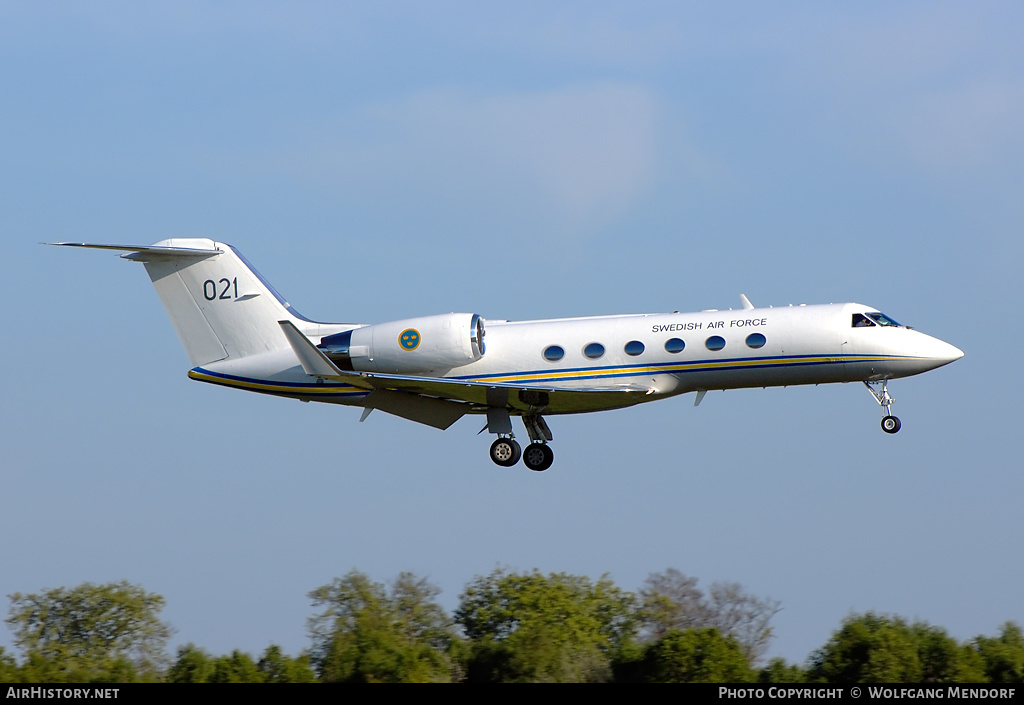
(508, 627)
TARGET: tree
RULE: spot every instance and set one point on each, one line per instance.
(370, 633)
(872, 648)
(92, 629)
(696, 656)
(779, 671)
(193, 665)
(943, 659)
(673, 602)
(239, 667)
(531, 627)
(278, 667)
(1002, 658)
(8, 668)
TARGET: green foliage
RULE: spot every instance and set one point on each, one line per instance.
(193, 665)
(778, 671)
(236, 668)
(873, 648)
(695, 656)
(1002, 658)
(9, 672)
(277, 667)
(90, 632)
(37, 668)
(536, 628)
(943, 659)
(369, 633)
(518, 627)
(867, 649)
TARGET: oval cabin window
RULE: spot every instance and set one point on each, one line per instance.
(674, 345)
(553, 353)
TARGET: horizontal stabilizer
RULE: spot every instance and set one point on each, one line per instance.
(146, 253)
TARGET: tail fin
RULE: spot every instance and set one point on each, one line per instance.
(220, 306)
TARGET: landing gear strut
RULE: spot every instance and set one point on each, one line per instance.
(506, 451)
(890, 424)
(538, 455)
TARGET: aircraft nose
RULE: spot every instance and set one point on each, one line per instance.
(942, 352)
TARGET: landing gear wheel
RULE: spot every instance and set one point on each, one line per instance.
(506, 452)
(538, 456)
(891, 424)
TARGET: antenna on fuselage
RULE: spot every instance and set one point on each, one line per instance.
(746, 301)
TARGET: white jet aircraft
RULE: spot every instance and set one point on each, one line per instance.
(239, 332)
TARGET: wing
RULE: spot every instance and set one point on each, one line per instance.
(469, 394)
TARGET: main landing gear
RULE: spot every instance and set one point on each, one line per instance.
(538, 455)
(890, 424)
(506, 452)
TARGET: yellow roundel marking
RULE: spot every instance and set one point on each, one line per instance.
(409, 339)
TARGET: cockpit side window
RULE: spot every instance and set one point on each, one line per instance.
(883, 320)
(861, 321)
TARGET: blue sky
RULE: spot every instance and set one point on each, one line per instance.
(379, 161)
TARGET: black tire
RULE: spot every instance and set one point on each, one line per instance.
(506, 452)
(517, 453)
(891, 424)
(538, 456)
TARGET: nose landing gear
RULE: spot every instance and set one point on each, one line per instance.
(890, 423)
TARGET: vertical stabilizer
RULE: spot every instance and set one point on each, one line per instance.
(220, 306)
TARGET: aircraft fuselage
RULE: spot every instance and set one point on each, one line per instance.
(719, 350)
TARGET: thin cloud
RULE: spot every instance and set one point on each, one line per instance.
(583, 154)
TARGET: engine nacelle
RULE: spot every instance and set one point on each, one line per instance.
(428, 344)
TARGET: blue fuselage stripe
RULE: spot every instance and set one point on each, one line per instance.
(326, 389)
(706, 365)
(268, 386)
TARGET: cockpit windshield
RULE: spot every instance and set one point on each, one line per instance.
(871, 319)
(883, 320)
